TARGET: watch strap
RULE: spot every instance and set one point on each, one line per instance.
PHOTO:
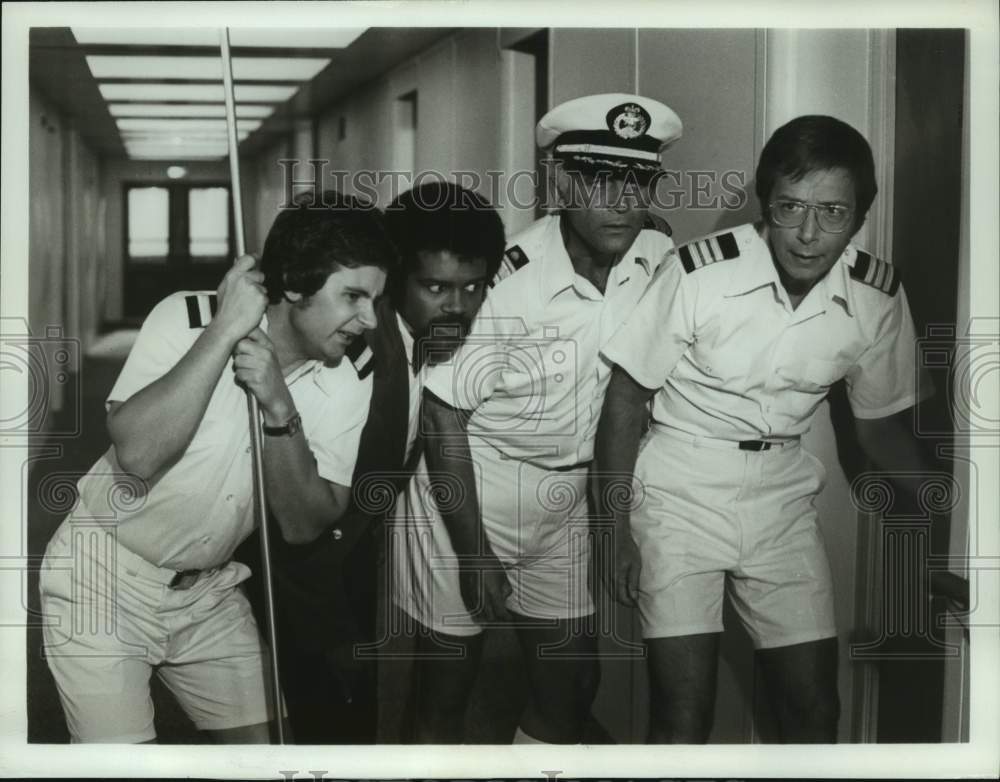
(290, 427)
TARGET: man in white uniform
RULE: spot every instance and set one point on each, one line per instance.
(138, 578)
(510, 422)
(739, 339)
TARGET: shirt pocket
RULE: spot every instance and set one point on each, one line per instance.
(817, 373)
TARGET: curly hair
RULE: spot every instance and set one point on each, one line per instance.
(320, 234)
(438, 216)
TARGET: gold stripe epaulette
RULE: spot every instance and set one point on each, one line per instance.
(704, 252)
(876, 273)
(201, 309)
(513, 259)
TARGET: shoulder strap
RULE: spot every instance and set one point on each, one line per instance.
(513, 259)
(875, 273)
(201, 308)
(704, 252)
(361, 356)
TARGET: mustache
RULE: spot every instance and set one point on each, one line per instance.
(440, 339)
(446, 329)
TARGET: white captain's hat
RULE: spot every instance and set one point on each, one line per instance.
(613, 132)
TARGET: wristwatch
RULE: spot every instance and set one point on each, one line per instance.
(292, 426)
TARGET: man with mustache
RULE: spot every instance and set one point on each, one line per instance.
(500, 517)
(450, 242)
(739, 340)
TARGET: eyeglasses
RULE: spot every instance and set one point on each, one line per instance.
(832, 218)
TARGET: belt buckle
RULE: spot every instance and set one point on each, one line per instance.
(754, 445)
(184, 579)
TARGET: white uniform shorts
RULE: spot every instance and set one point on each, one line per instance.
(110, 620)
(715, 518)
(536, 521)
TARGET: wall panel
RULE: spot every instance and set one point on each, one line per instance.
(437, 115)
(477, 103)
(589, 61)
(47, 216)
(708, 78)
(85, 240)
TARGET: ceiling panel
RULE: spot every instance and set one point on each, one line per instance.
(149, 135)
(108, 76)
(174, 154)
(205, 68)
(277, 37)
(248, 110)
(211, 93)
(182, 125)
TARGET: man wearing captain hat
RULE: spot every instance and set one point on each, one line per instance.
(509, 426)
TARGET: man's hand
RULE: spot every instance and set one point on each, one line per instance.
(485, 590)
(242, 299)
(257, 369)
(624, 586)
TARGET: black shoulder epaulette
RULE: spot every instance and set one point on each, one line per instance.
(201, 309)
(876, 273)
(513, 259)
(657, 223)
(361, 356)
(704, 252)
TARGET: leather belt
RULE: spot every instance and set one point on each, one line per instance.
(764, 445)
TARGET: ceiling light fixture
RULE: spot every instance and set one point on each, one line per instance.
(270, 37)
(201, 93)
(205, 68)
(163, 110)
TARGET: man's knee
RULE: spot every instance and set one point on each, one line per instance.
(683, 676)
(803, 684)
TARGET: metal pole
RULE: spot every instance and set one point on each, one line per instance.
(256, 449)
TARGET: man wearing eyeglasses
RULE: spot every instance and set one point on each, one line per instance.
(739, 340)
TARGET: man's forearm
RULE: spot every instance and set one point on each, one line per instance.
(449, 458)
(304, 504)
(154, 426)
(617, 446)
(890, 444)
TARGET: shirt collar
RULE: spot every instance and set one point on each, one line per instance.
(758, 271)
(622, 272)
(755, 269)
(836, 284)
(558, 273)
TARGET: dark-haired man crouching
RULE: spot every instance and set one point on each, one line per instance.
(153, 574)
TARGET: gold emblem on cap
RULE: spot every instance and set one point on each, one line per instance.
(628, 121)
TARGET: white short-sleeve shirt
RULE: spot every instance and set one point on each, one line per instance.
(716, 334)
(198, 510)
(531, 367)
